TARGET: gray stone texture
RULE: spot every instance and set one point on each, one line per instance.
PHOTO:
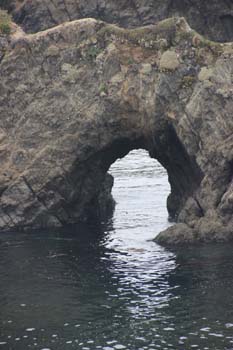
(76, 97)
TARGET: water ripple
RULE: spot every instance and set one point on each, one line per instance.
(112, 288)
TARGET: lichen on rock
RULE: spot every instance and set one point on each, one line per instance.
(169, 61)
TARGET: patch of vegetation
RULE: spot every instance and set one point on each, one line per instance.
(188, 81)
(103, 89)
(93, 52)
(5, 22)
(142, 34)
(184, 36)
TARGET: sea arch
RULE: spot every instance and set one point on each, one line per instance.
(78, 96)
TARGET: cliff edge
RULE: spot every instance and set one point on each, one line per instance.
(211, 18)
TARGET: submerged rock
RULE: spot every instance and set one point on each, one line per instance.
(76, 97)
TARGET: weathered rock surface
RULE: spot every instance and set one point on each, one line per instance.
(75, 98)
(213, 18)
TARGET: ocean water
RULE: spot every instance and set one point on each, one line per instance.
(111, 287)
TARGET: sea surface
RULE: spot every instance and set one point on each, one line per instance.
(111, 287)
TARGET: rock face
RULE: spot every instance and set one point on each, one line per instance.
(213, 18)
(75, 98)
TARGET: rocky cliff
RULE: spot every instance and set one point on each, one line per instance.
(212, 18)
(76, 97)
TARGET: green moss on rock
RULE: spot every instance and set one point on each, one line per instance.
(142, 34)
(5, 23)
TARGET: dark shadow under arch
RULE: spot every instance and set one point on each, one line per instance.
(183, 174)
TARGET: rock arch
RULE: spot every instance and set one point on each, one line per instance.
(76, 97)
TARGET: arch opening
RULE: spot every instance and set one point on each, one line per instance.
(184, 175)
(140, 190)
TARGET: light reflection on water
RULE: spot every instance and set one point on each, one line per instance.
(141, 189)
(111, 287)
